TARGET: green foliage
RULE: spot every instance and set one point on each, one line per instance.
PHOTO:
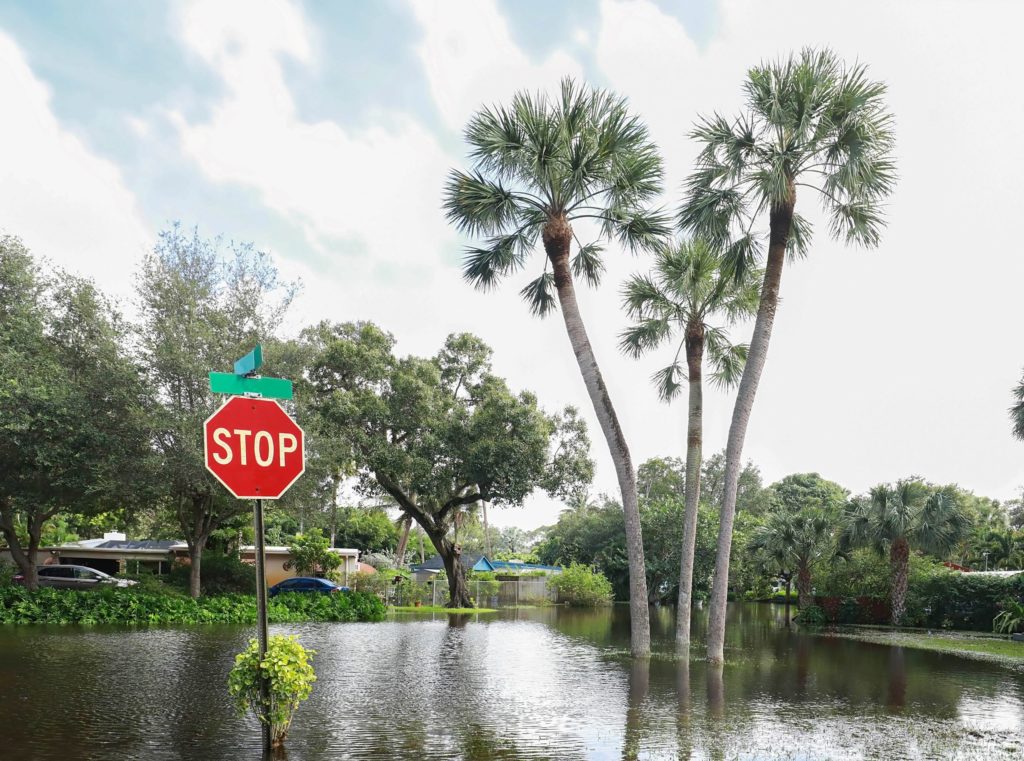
(595, 535)
(311, 554)
(1017, 410)
(577, 156)
(202, 305)
(73, 404)
(581, 586)
(129, 606)
(810, 121)
(860, 572)
(222, 574)
(812, 615)
(1011, 618)
(289, 678)
(437, 436)
(7, 573)
(485, 581)
(952, 600)
(367, 530)
(685, 292)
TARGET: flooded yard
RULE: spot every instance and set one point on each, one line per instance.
(545, 683)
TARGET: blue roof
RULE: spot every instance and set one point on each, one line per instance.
(505, 565)
(470, 562)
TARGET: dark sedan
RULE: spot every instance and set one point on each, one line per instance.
(306, 584)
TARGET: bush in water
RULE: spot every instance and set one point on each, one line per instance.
(289, 676)
(128, 606)
(581, 586)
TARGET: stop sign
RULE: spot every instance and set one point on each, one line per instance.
(253, 448)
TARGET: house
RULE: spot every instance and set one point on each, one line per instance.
(511, 568)
(115, 553)
(280, 566)
(427, 570)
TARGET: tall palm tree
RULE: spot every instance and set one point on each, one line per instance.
(1017, 411)
(811, 123)
(541, 168)
(682, 296)
(795, 541)
(896, 519)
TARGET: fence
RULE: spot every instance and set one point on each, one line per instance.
(527, 590)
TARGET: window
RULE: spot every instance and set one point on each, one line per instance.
(57, 572)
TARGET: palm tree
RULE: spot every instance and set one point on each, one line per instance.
(895, 520)
(685, 292)
(1017, 411)
(812, 123)
(794, 541)
(541, 166)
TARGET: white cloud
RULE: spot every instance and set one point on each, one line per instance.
(375, 192)
(470, 58)
(65, 202)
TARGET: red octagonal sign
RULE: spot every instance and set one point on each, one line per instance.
(253, 448)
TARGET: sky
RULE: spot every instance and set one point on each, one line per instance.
(323, 132)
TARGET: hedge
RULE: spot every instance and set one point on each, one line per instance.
(127, 606)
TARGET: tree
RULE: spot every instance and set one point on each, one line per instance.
(513, 540)
(539, 166)
(72, 405)
(437, 435)
(812, 123)
(367, 530)
(894, 520)
(199, 311)
(1017, 410)
(686, 292)
(793, 541)
(311, 554)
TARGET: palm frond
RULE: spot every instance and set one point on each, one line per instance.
(502, 255)
(587, 264)
(645, 335)
(477, 205)
(539, 295)
(1017, 411)
(668, 381)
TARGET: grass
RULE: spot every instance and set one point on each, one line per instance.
(964, 644)
(438, 609)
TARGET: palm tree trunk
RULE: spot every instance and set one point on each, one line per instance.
(780, 223)
(403, 541)
(557, 236)
(694, 444)
(803, 587)
(899, 557)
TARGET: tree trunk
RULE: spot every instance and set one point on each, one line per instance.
(694, 444)
(487, 531)
(899, 557)
(24, 557)
(403, 541)
(781, 220)
(458, 590)
(804, 588)
(557, 236)
(195, 559)
(789, 585)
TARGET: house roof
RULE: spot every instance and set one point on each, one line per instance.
(516, 565)
(469, 562)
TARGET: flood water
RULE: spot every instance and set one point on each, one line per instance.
(540, 683)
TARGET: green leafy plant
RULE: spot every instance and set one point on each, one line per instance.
(812, 615)
(311, 553)
(581, 586)
(289, 677)
(1011, 619)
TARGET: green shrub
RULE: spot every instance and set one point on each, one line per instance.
(219, 574)
(581, 586)
(289, 677)
(7, 573)
(1011, 618)
(960, 600)
(812, 615)
(129, 606)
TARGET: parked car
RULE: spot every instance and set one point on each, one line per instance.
(306, 584)
(75, 577)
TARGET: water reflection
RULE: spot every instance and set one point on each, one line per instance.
(530, 684)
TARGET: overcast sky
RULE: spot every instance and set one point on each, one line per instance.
(323, 132)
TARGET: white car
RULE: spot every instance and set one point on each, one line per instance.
(75, 577)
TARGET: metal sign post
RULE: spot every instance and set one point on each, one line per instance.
(257, 452)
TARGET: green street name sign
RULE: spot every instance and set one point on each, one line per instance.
(269, 388)
(248, 364)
